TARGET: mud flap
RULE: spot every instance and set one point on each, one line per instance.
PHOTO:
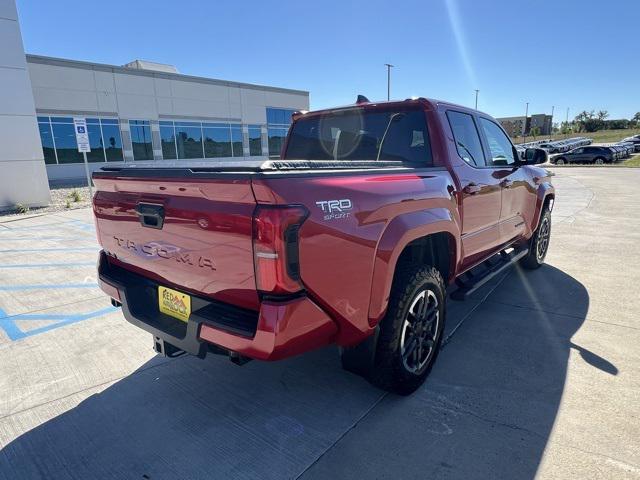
(360, 358)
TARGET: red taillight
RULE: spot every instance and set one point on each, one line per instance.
(275, 248)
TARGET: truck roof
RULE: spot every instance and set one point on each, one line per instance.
(427, 103)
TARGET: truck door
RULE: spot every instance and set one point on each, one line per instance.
(518, 194)
(481, 194)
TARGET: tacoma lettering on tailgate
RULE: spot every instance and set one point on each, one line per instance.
(154, 249)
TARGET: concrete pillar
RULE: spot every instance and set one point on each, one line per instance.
(127, 146)
(245, 141)
(156, 141)
(265, 140)
(23, 177)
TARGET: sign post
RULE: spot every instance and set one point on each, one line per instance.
(82, 139)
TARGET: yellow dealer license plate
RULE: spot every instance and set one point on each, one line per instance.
(174, 303)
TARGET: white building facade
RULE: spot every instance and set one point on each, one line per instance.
(23, 179)
(146, 111)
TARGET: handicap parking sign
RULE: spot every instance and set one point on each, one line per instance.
(82, 137)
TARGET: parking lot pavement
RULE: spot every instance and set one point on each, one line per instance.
(540, 378)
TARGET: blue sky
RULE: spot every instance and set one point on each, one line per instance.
(568, 53)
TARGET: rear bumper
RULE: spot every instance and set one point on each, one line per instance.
(278, 330)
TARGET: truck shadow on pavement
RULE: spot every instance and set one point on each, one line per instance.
(486, 411)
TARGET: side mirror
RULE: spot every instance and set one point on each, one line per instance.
(535, 156)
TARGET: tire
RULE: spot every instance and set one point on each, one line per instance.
(599, 161)
(538, 243)
(560, 161)
(406, 350)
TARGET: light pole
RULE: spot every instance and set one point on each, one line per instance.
(389, 66)
(551, 125)
(566, 122)
(477, 98)
(524, 128)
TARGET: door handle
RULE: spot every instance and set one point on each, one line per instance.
(506, 183)
(472, 189)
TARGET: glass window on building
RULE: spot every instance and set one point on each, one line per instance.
(64, 137)
(95, 141)
(46, 137)
(141, 139)
(279, 116)
(255, 140)
(217, 140)
(278, 121)
(168, 141)
(189, 140)
(236, 140)
(276, 140)
(112, 140)
(59, 144)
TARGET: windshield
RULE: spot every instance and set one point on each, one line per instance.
(357, 134)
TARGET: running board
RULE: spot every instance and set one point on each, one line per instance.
(475, 278)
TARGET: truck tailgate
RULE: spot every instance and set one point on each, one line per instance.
(192, 235)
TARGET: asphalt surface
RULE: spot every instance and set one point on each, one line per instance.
(539, 378)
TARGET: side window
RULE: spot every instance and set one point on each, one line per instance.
(578, 150)
(466, 137)
(499, 144)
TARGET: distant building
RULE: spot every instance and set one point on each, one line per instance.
(519, 126)
(514, 126)
(542, 122)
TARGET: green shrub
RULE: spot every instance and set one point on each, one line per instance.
(20, 208)
(75, 195)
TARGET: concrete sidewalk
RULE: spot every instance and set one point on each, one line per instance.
(540, 378)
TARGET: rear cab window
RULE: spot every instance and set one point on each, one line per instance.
(362, 134)
(466, 137)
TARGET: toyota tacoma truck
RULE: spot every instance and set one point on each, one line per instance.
(374, 214)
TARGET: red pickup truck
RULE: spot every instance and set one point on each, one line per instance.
(373, 215)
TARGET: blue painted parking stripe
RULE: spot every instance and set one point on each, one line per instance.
(70, 249)
(12, 288)
(9, 326)
(87, 227)
(49, 265)
(74, 223)
(35, 239)
(8, 322)
(29, 227)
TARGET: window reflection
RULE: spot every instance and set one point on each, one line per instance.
(65, 139)
(276, 140)
(255, 140)
(46, 137)
(112, 142)
(278, 121)
(59, 145)
(236, 141)
(189, 140)
(95, 141)
(141, 139)
(168, 141)
(217, 142)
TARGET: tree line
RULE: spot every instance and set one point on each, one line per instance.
(593, 121)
